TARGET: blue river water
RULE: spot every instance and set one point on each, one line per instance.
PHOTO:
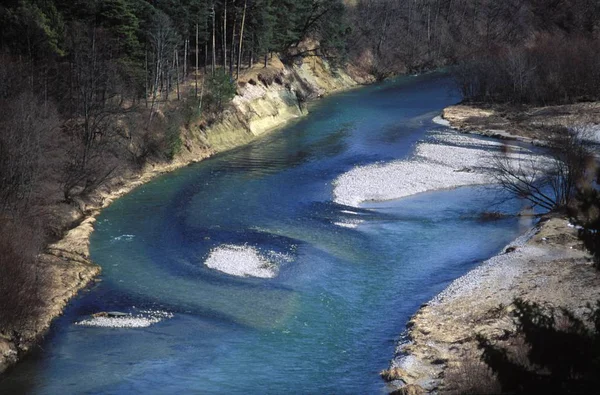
(328, 323)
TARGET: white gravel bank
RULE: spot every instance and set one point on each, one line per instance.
(245, 261)
(441, 121)
(450, 160)
(142, 320)
(503, 267)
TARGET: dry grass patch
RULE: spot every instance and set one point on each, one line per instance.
(470, 376)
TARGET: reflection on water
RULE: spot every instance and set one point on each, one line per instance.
(350, 280)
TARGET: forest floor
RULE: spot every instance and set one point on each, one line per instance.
(548, 265)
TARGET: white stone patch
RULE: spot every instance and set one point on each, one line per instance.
(124, 238)
(503, 267)
(142, 320)
(245, 261)
(349, 212)
(441, 121)
(452, 160)
(350, 223)
(589, 133)
(250, 92)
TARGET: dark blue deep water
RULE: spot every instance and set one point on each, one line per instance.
(329, 322)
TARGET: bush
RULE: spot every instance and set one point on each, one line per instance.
(586, 214)
(470, 376)
(550, 183)
(22, 282)
(563, 352)
(174, 142)
(222, 89)
(191, 110)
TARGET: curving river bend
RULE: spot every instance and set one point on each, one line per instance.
(329, 321)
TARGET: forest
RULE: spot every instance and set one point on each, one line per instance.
(82, 82)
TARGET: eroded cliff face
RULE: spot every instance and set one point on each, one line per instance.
(267, 98)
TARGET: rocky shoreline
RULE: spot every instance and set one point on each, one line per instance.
(259, 107)
(548, 265)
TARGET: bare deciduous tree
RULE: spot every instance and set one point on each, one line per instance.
(98, 102)
(25, 125)
(548, 181)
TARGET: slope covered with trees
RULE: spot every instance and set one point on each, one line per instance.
(530, 51)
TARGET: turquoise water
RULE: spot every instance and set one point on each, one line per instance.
(329, 322)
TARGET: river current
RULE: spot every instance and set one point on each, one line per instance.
(349, 279)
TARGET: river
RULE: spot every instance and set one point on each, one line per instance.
(349, 279)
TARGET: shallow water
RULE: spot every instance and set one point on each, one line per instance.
(329, 321)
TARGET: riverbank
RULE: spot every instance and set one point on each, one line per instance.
(548, 265)
(266, 100)
(529, 125)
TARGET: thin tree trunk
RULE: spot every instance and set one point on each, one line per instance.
(45, 88)
(201, 94)
(167, 76)
(177, 72)
(428, 24)
(214, 41)
(232, 49)
(155, 87)
(196, 73)
(241, 40)
(146, 78)
(225, 35)
(185, 58)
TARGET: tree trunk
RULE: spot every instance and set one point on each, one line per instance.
(225, 35)
(196, 73)
(177, 72)
(214, 41)
(201, 94)
(146, 78)
(185, 57)
(241, 40)
(232, 49)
